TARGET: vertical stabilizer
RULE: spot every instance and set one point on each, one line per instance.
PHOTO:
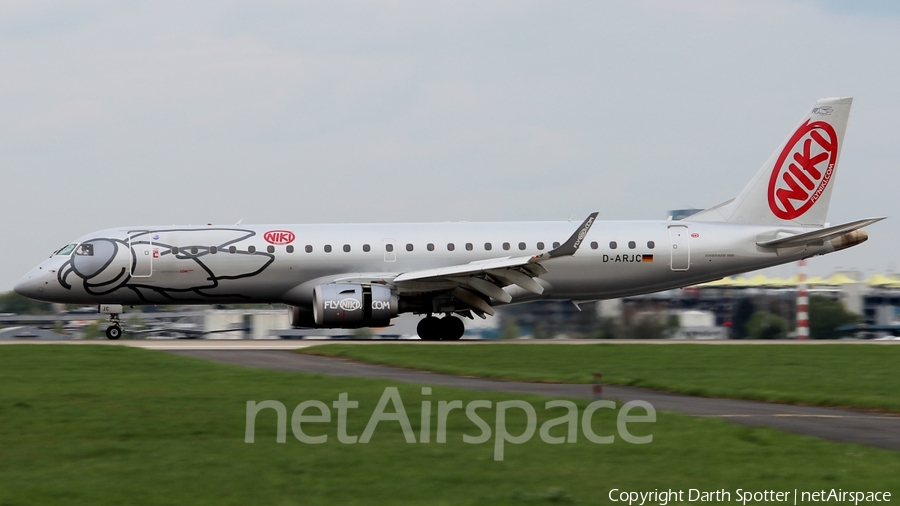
(794, 186)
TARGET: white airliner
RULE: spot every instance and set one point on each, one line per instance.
(363, 275)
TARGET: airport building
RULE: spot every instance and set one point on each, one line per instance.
(706, 311)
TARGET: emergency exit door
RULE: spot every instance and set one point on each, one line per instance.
(680, 248)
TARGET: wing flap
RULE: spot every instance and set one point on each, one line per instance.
(514, 277)
(487, 288)
(474, 301)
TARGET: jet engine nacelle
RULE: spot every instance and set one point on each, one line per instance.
(350, 306)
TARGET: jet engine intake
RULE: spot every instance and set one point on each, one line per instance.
(301, 317)
(350, 306)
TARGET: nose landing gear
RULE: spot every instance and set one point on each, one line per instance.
(114, 331)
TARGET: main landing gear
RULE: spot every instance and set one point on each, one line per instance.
(448, 328)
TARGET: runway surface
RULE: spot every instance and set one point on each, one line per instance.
(833, 424)
(293, 344)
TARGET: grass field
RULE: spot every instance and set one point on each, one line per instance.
(864, 376)
(112, 425)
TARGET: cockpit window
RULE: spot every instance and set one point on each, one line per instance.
(85, 250)
(65, 250)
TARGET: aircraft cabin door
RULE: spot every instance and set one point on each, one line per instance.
(390, 255)
(680, 248)
(142, 252)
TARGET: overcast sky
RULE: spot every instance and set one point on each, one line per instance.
(139, 113)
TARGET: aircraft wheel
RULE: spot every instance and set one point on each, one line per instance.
(113, 332)
(429, 329)
(452, 328)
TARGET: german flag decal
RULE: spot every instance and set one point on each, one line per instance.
(646, 258)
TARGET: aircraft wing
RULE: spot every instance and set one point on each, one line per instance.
(472, 282)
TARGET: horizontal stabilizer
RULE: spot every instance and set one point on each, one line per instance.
(817, 237)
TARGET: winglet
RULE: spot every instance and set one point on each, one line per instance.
(570, 246)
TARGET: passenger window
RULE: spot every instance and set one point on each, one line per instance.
(468, 246)
(194, 250)
(270, 249)
(555, 245)
(327, 248)
(487, 246)
(389, 247)
(308, 248)
(506, 246)
(651, 244)
(231, 249)
(213, 250)
(522, 246)
(613, 245)
(367, 248)
(290, 248)
(250, 249)
(409, 247)
(430, 247)
(450, 246)
(540, 246)
(175, 250)
(632, 245)
(594, 245)
(346, 248)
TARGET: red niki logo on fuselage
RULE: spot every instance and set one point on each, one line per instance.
(279, 237)
(803, 170)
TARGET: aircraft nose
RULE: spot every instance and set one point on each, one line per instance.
(32, 284)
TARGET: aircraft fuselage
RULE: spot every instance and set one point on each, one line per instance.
(265, 264)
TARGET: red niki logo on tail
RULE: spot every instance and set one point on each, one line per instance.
(803, 170)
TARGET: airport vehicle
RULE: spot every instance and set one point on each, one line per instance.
(359, 275)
